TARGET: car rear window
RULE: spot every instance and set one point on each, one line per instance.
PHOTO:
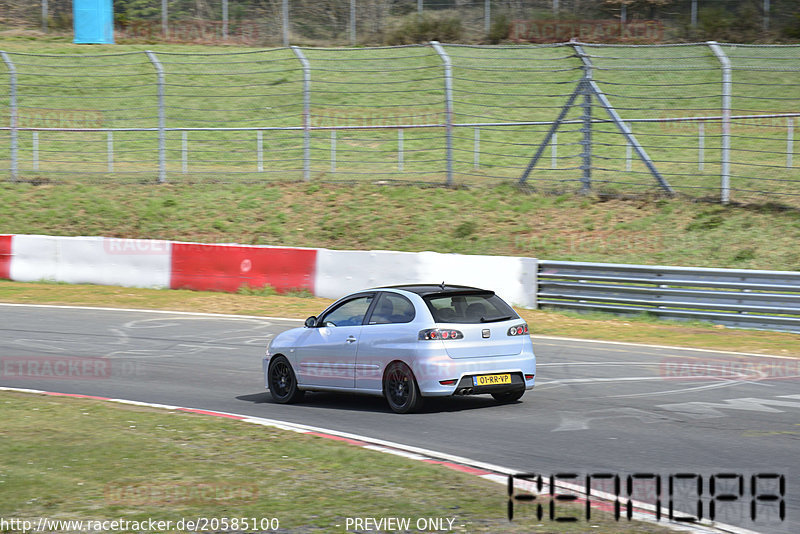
(485, 307)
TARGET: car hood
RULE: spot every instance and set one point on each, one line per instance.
(289, 338)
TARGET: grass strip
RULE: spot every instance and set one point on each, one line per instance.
(497, 221)
(67, 458)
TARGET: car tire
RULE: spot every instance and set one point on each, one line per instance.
(283, 382)
(400, 388)
(509, 396)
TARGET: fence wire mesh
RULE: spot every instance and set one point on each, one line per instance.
(715, 121)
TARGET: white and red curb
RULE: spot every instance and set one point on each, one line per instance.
(494, 473)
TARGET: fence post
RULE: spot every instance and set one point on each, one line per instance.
(306, 112)
(260, 151)
(110, 151)
(725, 186)
(224, 20)
(591, 87)
(352, 22)
(487, 16)
(333, 150)
(586, 141)
(628, 155)
(448, 107)
(45, 16)
(35, 137)
(586, 129)
(184, 152)
(162, 118)
(554, 151)
(476, 160)
(789, 141)
(285, 17)
(13, 114)
(164, 16)
(701, 144)
(400, 149)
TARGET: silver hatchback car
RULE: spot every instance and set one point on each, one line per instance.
(405, 343)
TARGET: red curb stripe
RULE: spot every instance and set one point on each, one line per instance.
(215, 414)
(459, 467)
(76, 396)
(339, 438)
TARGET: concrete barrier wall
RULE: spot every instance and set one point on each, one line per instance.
(229, 267)
(324, 273)
(91, 260)
(5, 256)
(340, 272)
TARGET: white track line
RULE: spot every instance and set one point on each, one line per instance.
(170, 312)
(494, 473)
(645, 345)
(267, 318)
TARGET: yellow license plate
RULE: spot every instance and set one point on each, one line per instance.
(491, 380)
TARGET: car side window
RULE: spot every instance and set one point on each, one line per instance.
(350, 313)
(391, 309)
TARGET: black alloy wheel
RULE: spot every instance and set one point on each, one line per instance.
(282, 382)
(400, 389)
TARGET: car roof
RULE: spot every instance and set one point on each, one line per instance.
(436, 289)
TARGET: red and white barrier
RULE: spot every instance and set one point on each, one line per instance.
(91, 260)
(342, 271)
(208, 267)
(5, 256)
(229, 267)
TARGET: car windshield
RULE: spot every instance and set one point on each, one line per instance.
(484, 307)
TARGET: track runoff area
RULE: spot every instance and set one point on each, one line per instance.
(646, 432)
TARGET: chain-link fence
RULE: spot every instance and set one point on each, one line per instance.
(705, 120)
(343, 22)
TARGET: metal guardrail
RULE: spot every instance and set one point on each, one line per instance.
(768, 300)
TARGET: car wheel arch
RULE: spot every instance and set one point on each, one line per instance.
(388, 366)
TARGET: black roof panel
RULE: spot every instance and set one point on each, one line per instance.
(429, 289)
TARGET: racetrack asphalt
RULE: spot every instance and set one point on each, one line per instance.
(597, 407)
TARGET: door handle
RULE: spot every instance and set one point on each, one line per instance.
(351, 339)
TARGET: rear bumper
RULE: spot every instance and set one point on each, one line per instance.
(466, 386)
(462, 371)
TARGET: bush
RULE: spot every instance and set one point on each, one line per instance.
(499, 29)
(422, 28)
(715, 22)
(741, 26)
(792, 28)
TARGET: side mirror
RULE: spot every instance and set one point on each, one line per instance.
(311, 322)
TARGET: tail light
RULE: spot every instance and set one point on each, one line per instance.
(440, 333)
(518, 330)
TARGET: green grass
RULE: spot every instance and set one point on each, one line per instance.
(64, 458)
(237, 87)
(494, 221)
